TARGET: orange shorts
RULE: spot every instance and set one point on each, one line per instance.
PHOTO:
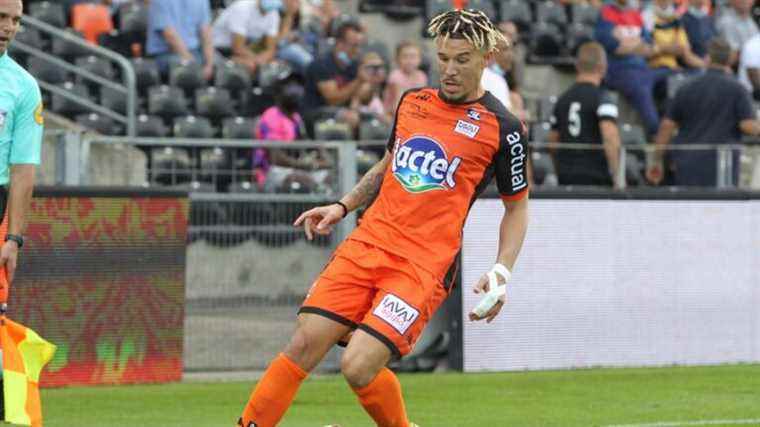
(383, 294)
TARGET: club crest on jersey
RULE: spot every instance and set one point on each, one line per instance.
(420, 164)
(473, 114)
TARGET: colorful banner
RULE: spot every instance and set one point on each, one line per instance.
(103, 278)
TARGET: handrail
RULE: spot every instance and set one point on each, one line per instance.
(213, 143)
(128, 73)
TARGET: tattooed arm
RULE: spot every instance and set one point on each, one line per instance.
(321, 219)
(365, 192)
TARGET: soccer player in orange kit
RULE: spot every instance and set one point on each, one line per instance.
(387, 279)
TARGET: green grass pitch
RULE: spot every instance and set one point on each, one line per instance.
(595, 397)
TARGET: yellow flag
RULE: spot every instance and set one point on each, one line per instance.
(24, 355)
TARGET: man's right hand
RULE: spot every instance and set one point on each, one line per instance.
(320, 220)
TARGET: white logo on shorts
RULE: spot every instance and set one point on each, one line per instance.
(396, 312)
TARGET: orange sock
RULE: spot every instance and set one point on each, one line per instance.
(383, 401)
(273, 394)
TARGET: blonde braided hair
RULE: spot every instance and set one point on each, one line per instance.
(469, 24)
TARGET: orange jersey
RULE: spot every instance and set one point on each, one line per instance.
(443, 156)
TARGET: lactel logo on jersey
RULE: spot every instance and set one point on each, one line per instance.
(420, 164)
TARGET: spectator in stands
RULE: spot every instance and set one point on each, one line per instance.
(282, 122)
(247, 32)
(407, 74)
(494, 81)
(737, 26)
(749, 66)
(586, 114)
(712, 109)
(508, 60)
(180, 29)
(512, 60)
(620, 29)
(335, 79)
(699, 25)
(368, 101)
(291, 46)
(669, 35)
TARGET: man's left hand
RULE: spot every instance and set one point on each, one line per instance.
(9, 258)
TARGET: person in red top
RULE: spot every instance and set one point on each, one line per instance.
(386, 280)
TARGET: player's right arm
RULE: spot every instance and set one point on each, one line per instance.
(321, 219)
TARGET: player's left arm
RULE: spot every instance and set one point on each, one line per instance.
(511, 178)
(24, 157)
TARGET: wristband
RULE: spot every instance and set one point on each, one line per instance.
(345, 208)
(16, 238)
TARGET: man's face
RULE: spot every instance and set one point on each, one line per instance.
(10, 20)
(743, 6)
(461, 67)
(622, 3)
(352, 43)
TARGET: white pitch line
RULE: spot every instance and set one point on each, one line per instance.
(755, 421)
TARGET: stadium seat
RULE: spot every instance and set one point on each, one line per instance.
(517, 11)
(238, 128)
(114, 100)
(365, 159)
(92, 20)
(271, 73)
(232, 76)
(539, 132)
(332, 130)
(98, 123)
(584, 14)
(546, 108)
(186, 75)
(485, 6)
(551, 12)
(146, 73)
(435, 7)
(373, 130)
(151, 126)
(66, 49)
(214, 103)
(134, 18)
(46, 71)
(193, 127)
(52, 13)
(544, 172)
(545, 42)
(30, 36)
(576, 35)
(166, 101)
(67, 107)
(101, 67)
(114, 40)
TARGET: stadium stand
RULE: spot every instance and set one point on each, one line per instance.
(183, 103)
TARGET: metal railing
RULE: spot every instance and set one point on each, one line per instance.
(128, 89)
(633, 156)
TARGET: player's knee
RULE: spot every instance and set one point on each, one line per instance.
(300, 350)
(357, 369)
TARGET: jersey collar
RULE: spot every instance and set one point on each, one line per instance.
(4, 57)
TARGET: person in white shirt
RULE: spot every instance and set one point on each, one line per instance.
(749, 66)
(497, 85)
(245, 23)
